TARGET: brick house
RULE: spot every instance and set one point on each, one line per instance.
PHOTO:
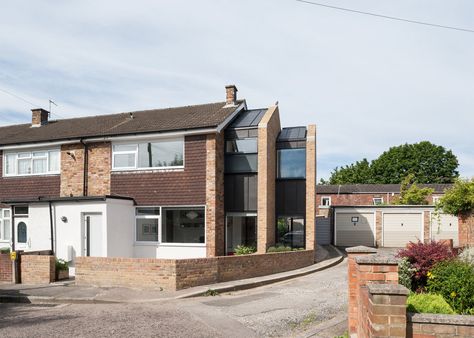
(182, 182)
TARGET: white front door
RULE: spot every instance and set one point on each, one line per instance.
(93, 235)
(22, 240)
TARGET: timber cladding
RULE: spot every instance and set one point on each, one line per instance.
(28, 187)
(177, 274)
(173, 187)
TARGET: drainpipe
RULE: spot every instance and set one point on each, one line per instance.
(85, 170)
(13, 227)
(51, 226)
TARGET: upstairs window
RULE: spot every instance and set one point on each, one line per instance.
(40, 162)
(325, 201)
(149, 155)
(241, 156)
(378, 200)
(291, 163)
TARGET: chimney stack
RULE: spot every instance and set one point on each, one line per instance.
(39, 117)
(231, 95)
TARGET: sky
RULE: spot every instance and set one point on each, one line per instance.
(366, 82)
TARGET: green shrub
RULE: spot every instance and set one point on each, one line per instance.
(61, 265)
(428, 303)
(244, 250)
(467, 255)
(405, 273)
(454, 280)
(5, 250)
(283, 248)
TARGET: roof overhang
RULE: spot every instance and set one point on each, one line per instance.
(66, 199)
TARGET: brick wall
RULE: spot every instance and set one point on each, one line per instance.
(268, 130)
(172, 274)
(28, 187)
(310, 187)
(98, 169)
(378, 228)
(37, 269)
(426, 226)
(466, 230)
(214, 193)
(72, 170)
(423, 325)
(5, 268)
(175, 187)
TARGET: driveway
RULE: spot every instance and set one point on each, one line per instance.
(313, 305)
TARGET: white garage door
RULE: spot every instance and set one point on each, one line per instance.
(401, 228)
(446, 227)
(355, 228)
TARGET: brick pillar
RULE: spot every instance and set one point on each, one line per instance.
(378, 228)
(215, 221)
(426, 226)
(386, 315)
(38, 269)
(99, 166)
(353, 282)
(466, 230)
(311, 187)
(268, 130)
(72, 170)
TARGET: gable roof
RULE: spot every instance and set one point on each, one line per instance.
(209, 115)
(372, 188)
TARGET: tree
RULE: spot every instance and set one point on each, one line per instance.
(428, 162)
(459, 199)
(358, 172)
(411, 194)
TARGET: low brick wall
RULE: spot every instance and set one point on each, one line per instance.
(6, 273)
(423, 325)
(38, 269)
(177, 274)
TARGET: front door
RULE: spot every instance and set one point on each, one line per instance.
(22, 240)
(93, 235)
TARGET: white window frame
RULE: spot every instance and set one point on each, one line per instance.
(2, 219)
(323, 198)
(28, 154)
(377, 198)
(158, 217)
(135, 152)
(436, 199)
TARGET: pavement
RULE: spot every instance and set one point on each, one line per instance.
(69, 293)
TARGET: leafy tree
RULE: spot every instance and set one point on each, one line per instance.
(428, 162)
(358, 172)
(459, 199)
(411, 194)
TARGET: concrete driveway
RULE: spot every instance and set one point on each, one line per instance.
(313, 305)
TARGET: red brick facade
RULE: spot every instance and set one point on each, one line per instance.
(5, 268)
(174, 187)
(28, 187)
(466, 230)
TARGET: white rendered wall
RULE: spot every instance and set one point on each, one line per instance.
(38, 233)
(176, 251)
(120, 228)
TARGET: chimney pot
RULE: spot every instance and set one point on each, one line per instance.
(231, 95)
(39, 117)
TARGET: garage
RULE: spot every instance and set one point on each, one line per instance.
(400, 228)
(445, 227)
(354, 228)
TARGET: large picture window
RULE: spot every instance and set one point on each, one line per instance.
(39, 162)
(291, 232)
(155, 155)
(183, 225)
(291, 163)
(5, 224)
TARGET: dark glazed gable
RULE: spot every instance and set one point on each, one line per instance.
(27, 187)
(181, 187)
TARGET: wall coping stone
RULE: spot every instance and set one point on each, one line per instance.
(361, 249)
(432, 318)
(377, 259)
(387, 289)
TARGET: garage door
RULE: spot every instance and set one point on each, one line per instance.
(355, 229)
(323, 230)
(401, 228)
(446, 227)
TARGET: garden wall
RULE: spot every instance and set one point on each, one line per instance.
(466, 230)
(6, 274)
(434, 325)
(177, 274)
(37, 269)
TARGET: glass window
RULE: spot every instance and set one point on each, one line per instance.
(32, 163)
(241, 163)
(5, 225)
(21, 210)
(241, 230)
(248, 145)
(124, 160)
(53, 160)
(7, 229)
(10, 164)
(147, 229)
(325, 201)
(24, 166)
(22, 232)
(291, 232)
(378, 200)
(147, 211)
(292, 163)
(183, 225)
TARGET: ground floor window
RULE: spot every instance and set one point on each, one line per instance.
(147, 221)
(183, 225)
(240, 230)
(5, 224)
(291, 232)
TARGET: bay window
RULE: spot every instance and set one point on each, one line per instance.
(41, 162)
(149, 155)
